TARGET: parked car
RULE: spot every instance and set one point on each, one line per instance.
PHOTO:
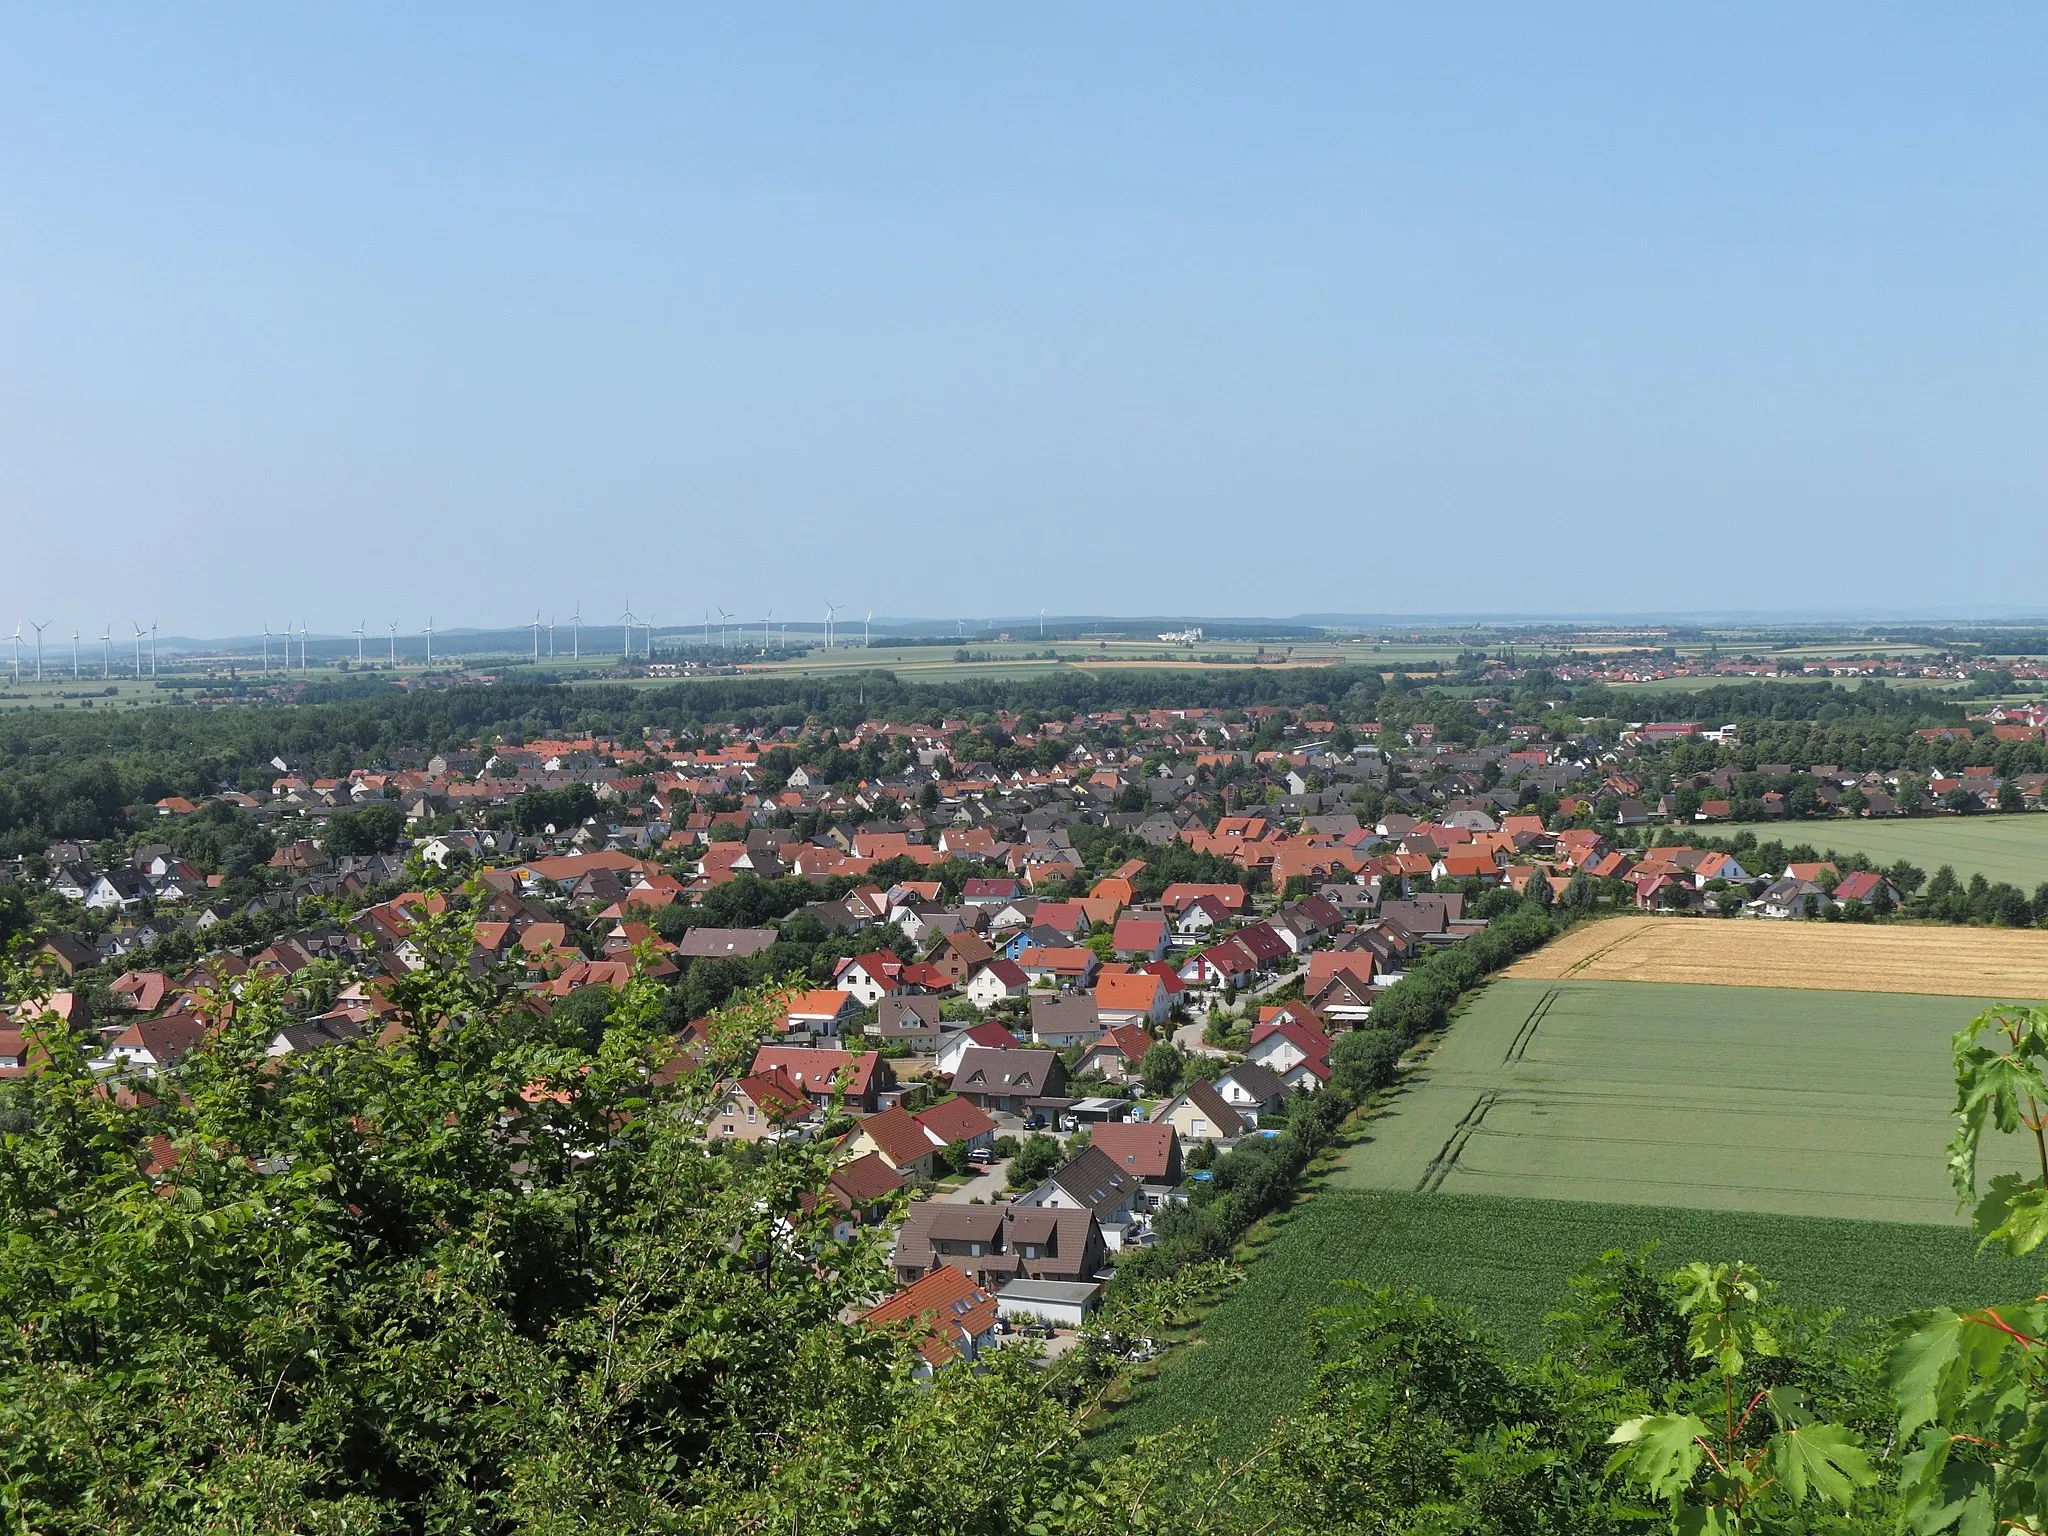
(982, 1156)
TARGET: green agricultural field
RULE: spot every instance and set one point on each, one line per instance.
(1804, 1103)
(1508, 1261)
(2012, 848)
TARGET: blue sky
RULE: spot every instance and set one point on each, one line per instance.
(371, 310)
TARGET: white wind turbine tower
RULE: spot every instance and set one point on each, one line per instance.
(536, 634)
(266, 647)
(551, 637)
(361, 625)
(866, 630)
(765, 618)
(626, 618)
(106, 652)
(429, 633)
(39, 628)
(576, 634)
(830, 609)
(138, 647)
(647, 635)
(394, 642)
(724, 633)
(152, 648)
(707, 629)
(302, 646)
(16, 638)
(74, 655)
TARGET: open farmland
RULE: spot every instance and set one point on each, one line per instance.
(1714, 1098)
(1829, 957)
(2010, 848)
(1507, 1261)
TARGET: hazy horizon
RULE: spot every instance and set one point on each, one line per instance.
(1166, 310)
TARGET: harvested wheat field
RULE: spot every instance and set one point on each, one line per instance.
(1825, 957)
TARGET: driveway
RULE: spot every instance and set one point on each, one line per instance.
(987, 1183)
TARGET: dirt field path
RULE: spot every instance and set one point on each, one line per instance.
(1827, 957)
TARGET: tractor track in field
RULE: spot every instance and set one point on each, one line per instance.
(1446, 1161)
(1519, 1046)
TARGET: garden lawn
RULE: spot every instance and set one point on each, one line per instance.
(1508, 1261)
(1799, 1102)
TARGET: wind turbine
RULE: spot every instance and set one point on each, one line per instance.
(1041, 623)
(106, 652)
(361, 625)
(152, 646)
(302, 647)
(830, 609)
(866, 625)
(627, 619)
(536, 634)
(16, 637)
(576, 634)
(707, 629)
(724, 635)
(551, 637)
(39, 628)
(764, 630)
(429, 632)
(266, 647)
(74, 655)
(138, 648)
(394, 642)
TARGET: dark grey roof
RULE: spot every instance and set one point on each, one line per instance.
(724, 943)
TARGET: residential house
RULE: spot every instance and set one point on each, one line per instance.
(870, 977)
(1201, 916)
(1135, 997)
(1007, 1081)
(990, 893)
(954, 1045)
(1226, 963)
(994, 1244)
(819, 1011)
(1117, 1054)
(949, 1316)
(157, 1044)
(895, 1136)
(1060, 1022)
(1095, 1183)
(996, 981)
(1788, 898)
(1296, 1054)
(1065, 967)
(822, 1074)
(1199, 1113)
(1148, 1151)
(952, 1120)
(1864, 886)
(724, 943)
(1140, 936)
(863, 1191)
(911, 1021)
(1251, 1089)
(957, 954)
(761, 1107)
